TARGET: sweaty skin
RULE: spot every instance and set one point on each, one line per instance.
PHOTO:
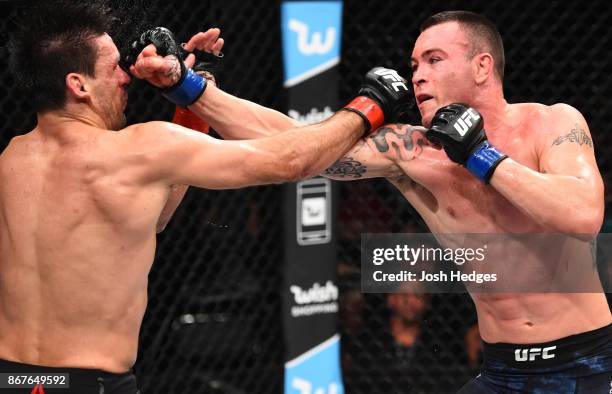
(77, 243)
(451, 200)
(80, 204)
(550, 183)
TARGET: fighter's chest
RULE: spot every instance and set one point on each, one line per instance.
(456, 195)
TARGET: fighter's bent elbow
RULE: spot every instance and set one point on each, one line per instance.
(586, 224)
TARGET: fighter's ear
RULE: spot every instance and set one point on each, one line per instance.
(77, 86)
(483, 66)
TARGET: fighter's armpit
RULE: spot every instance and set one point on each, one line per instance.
(400, 142)
(577, 135)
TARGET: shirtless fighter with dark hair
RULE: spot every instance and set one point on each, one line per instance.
(81, 195)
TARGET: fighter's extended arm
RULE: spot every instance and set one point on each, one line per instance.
(230, 116)
(375, 156)
(566, 194)
(174, 155)
(384, 154)
(157, 57)
(234, 118)
(382, 95)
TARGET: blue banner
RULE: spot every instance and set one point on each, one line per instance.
(316, 371)
(311, 33)
(311, 38)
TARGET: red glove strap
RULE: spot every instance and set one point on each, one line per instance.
(186, 118)
(370, 109)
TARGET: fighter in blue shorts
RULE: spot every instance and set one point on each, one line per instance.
(578, 364)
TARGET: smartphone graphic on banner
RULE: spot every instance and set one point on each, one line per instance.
(314, 211)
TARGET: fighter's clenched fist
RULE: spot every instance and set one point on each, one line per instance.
(383, 96)
(459, 129)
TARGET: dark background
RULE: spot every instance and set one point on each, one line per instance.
(214, 322)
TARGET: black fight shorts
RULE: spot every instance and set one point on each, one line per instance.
(578, 364)
(80, 381)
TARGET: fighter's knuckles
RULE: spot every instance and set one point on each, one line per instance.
(149, 50)
(170, 61)
(135, 72)
(149, 64)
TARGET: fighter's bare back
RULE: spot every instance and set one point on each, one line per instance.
(80, 241)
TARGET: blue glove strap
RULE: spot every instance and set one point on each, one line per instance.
(188, 90)
(483, 161)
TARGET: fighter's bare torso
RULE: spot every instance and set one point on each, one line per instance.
(451, 200)
(78, 241)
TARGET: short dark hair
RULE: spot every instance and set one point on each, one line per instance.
(480, 31)
(53, 39)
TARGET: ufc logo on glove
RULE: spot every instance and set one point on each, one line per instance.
(394, 76)
(465, 121)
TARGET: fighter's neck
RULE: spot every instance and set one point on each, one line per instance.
(65, 118)
(495, 110)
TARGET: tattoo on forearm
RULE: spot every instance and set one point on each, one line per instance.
(576, 135)
(346, 167)
(387, 137)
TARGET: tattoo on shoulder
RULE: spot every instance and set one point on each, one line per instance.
(390, 137)
(346, 167)
(576, 135)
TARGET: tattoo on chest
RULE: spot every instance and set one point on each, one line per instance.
(346, 167)
(387, 137)
(576, 135)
